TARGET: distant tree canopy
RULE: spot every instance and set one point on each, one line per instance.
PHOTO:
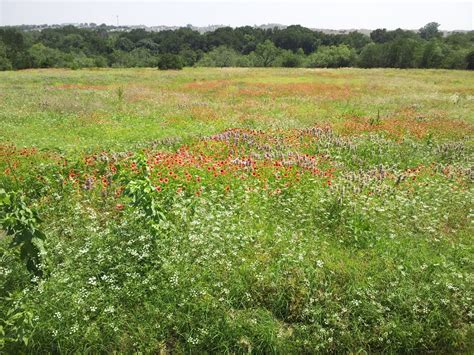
(170, 61)
(293, 46)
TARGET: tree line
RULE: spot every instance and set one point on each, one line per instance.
(293, 46)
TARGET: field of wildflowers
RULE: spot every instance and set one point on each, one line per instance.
(236, 211)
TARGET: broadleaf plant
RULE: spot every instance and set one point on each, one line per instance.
(20, 222)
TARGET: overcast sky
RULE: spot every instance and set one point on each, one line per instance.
(455, 14)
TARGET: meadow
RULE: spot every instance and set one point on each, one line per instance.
(236, 211)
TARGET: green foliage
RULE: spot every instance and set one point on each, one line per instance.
(80, 60)
(356, 40)
(296, 37)
(292, 60)
(120, 94)
(139, 57)
(221, 56)
(5, 63)
(190, 57)
(470, 60)
(455, 59)
(266, 54)
(402, 53)
(170, 62)
(18, 324)
(326, 227)
(331, 57)
(430, 31)
(124, 44)
(380, 35)
(293, 46)
(45, 57)
(143, 194)
(16, 47)
(433, 55)
(372, 56)
(21, 223)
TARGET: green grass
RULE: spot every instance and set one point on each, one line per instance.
(81, 109)
(239, 210)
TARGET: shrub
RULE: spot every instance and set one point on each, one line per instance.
(455, 59)
(266, 54)
(170, 61)
(221, 56)
(5, 63)
(372, 56)
(139, 57)
(331, 57)
(470, 60)
(78, 60)
(291, 60)
(45, 57)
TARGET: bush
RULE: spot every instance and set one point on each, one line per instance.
(432, 55)
(100, 61)
(190, 57)
(45, 57)
(170, 61)
(455, 59)
(372, 56)
(292, 60)
(5, 63)
(243, 61)
(78, 60)
(221, 56)
(332, 57)
(266, 54)
(139, 57)
(470, 60)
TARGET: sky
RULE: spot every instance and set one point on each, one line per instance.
(324, 14)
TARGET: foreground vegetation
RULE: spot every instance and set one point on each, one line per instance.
(236, 210)
(293, 46)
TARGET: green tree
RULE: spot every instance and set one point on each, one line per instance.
(332, 57)
(470, 60)
(16, 47)
(142, 57)
(5, 63)
(224, 36)
(78, 60)
(373, 56)
(190, 57)
(45, 57)
(455, 59)
(221, 56)
(266, 53)
(356, 40)
(402, 53)
(289, 59)
(380, 35)
(295, 37)
(433, 55)
(430, 31)
(148, 44)
(73, 42)
(139, 57)
(170, 61)
(124, 44)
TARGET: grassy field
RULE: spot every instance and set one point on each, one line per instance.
(236, 211)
